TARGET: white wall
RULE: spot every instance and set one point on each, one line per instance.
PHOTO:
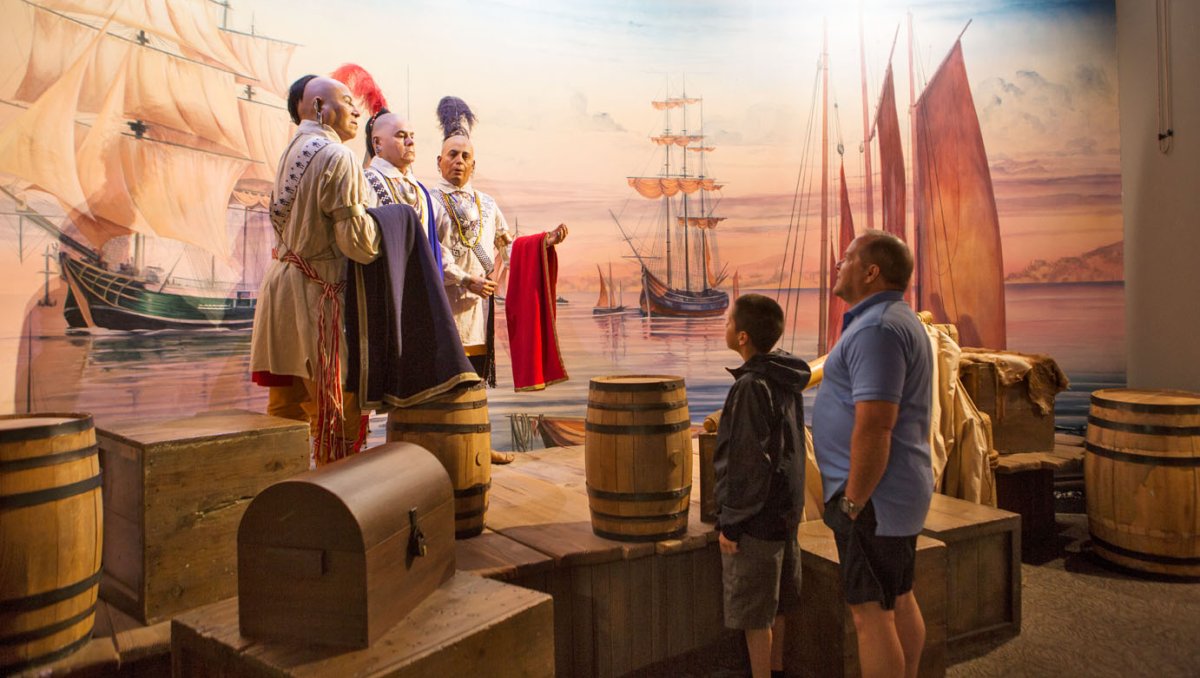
(1161, 200)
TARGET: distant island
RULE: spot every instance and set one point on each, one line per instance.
(1103, 264)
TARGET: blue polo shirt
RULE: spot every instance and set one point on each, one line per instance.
(883, 354)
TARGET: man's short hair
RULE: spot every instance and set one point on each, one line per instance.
(890, 254)
(760, 318)
(295, 95)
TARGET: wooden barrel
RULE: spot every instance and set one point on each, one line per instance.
(1142, 479)
(638, 457)
(455, 428)
(51, 521)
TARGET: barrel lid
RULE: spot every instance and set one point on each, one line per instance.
(18, 427)
(1148, 400)
(637, 382)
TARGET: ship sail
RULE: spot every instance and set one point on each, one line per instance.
(605, 298)
(266, 59)
(653, 188)
(960, 264)
(837, 307)
(891, 159)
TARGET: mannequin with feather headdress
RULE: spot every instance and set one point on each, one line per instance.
(318, 209)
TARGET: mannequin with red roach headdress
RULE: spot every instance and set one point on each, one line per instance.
(318, 209)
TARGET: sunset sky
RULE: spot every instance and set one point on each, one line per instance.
(563, 90)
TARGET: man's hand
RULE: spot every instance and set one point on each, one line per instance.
(727, 546)
(556, 236)
(481, 286)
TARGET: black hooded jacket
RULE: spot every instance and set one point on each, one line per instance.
(760, 455)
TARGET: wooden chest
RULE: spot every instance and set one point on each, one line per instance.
(983, 582)
(821, 640)
(1018, 425)
(468, 627)
(338, 555)
(174, 491)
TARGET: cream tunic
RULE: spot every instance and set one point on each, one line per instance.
(392, 177)
(285, 340)
(470, 309)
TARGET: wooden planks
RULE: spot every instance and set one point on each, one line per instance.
(983, 582)
(469, 626)
(619, 606)
(174, 492)
(1017, 423)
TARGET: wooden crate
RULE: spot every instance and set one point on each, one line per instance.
(174, 492)
(983, 582)
(708, 477)
(821, 640)
(1017, 423)
(469, 627)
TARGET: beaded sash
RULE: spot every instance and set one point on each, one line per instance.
(281, 206)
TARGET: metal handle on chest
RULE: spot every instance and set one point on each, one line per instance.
(416, 538)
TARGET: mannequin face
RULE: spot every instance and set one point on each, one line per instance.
(457, 161)
(394, 140)
(330, 101)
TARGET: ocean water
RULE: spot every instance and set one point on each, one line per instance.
(123, 375)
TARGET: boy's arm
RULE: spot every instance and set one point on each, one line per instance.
(747, 473)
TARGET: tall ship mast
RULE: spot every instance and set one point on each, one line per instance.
(156, 131)
(679, 263)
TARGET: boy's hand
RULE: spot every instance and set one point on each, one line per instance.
(727, 546)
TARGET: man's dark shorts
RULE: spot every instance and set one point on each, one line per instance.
(761, 580)
(874, 568)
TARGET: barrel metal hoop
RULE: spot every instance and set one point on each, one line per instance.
(473, 490)
(463, 515)
(18, 435)
(48, 460)
(26, 499)
(639, 519)
(639, 387)
(1144, 429)
(639, 537)
(645, 430)
(45, 598)
(1138, 555)
(446, 406)
(1142, 459)
(48, 657)
(639, 496)
(47, 631)
(637, 407)
(1144, 408)
(404, 427)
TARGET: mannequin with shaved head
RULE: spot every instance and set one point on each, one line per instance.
(318, 209)
(392, 148)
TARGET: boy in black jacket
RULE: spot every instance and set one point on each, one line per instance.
(759, 464)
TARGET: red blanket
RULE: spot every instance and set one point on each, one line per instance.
(530, 311)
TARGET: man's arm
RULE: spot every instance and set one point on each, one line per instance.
(870, 445)
(344, 198)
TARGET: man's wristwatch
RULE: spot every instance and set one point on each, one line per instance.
(849, 507)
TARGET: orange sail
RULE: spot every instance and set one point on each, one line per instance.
(845, 234)
(960, 269)
(891, 159)
(605, 300)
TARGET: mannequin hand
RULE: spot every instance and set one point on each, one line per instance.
(481, 286)
(556, 236)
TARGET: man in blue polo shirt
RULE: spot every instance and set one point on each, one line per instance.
(871, 438)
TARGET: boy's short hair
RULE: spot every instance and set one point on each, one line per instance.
(761, 318)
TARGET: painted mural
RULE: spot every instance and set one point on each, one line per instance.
(695, 155)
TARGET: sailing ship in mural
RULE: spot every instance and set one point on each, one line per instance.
(157, 131)
(609, 301)
(959, 274)
(679, 264)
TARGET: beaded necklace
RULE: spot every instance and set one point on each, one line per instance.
(452, 208)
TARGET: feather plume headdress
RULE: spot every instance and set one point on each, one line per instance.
(362, 86)
(455, 117)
